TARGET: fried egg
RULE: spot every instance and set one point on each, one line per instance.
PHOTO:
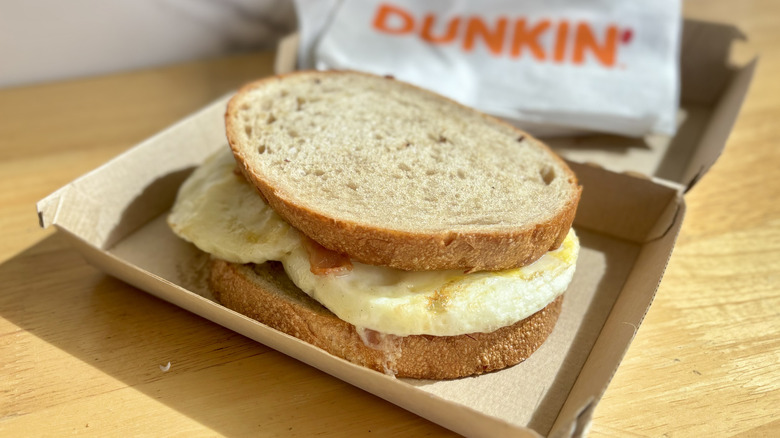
(222, 214)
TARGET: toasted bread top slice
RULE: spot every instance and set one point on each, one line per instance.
(395, 175)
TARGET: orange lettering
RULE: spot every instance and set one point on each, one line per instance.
(452, 29)
(585, 40)
(493, 39)
(529, 38)
(560, 41)
(387, 12)
(395, 20)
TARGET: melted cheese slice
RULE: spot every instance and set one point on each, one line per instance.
(222, 214)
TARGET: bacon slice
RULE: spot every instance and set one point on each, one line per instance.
(323, 261)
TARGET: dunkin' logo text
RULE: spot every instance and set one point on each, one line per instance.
(514, 38)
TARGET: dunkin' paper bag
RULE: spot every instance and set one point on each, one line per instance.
(548, 66)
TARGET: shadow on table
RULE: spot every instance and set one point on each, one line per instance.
(218, 378)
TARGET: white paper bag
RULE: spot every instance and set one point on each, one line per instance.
(606, 65)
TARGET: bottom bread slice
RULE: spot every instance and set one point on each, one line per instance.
(265, 293)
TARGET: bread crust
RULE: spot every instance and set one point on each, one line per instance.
(266, 294)
(496, 249)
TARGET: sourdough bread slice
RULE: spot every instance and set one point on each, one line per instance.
(265, 293)
(394, 175)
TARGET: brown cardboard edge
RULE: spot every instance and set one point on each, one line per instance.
(286, 54)
(625, 318)
(286, 59)
(713, 140)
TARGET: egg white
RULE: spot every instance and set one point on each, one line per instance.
(223, 215)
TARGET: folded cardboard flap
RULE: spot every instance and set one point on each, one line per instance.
(624, 319)
(48, 208)
(724, 116)
(623, 206)
(131, 189)
(705, 68)
(711, 84)
(286, 54)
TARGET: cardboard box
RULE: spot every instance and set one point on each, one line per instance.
(627, 223)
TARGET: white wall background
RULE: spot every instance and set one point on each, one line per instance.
(44, 40)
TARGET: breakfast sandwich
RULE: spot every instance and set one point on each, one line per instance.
(384, 224)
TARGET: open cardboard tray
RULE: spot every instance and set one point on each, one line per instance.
(115, 216)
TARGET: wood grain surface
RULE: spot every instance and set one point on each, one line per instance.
(80, 352)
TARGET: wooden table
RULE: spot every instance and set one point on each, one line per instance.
(80, 351)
